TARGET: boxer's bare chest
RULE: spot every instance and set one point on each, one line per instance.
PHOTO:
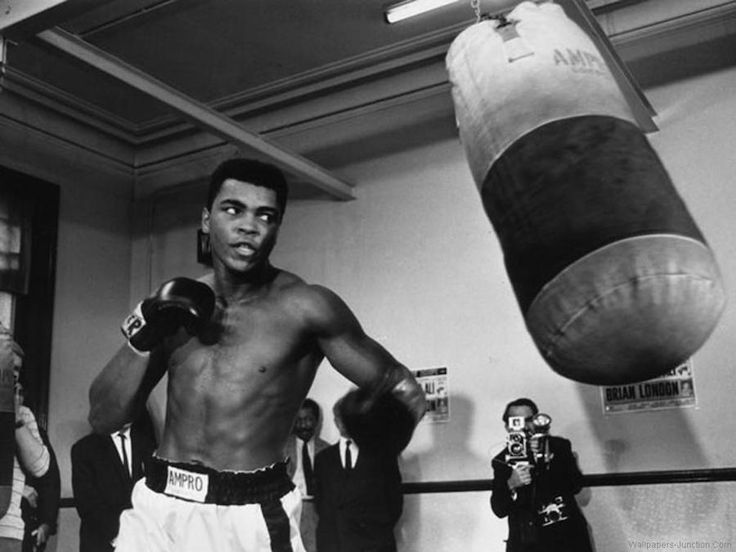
(246, 346)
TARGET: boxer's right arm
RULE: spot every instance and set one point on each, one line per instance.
(120, 391)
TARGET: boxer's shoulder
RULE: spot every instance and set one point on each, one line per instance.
(314, 304)
(208, 279)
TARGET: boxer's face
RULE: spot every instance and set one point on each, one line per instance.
(243, 225)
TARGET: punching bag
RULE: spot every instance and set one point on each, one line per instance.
(612, 275)
(7, 418)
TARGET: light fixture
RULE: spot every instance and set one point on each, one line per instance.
(410, 8)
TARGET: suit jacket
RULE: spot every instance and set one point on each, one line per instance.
(101, 486)
(561, 478)
(357, 509)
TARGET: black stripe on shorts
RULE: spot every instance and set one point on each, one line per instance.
(277, 523)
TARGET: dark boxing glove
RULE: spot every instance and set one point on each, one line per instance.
(181, 302)
(382, 422)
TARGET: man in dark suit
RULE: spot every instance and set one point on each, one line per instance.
(104, 469)
(301, 449)
(358, 495)
(535, 480)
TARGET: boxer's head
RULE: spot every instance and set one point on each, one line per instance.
(251, 171)
(243, 215)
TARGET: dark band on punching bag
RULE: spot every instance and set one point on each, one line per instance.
(572, 186)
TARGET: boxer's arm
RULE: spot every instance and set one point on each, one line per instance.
(357, 356)
(120, 391)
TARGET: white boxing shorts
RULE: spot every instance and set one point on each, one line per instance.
(190, 508)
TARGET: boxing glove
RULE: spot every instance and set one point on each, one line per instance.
(382, 423)
(181, 302)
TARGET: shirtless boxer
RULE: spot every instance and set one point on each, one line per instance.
(240, 361)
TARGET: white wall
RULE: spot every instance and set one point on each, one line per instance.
(418, 262)
(92, 289)
(92, 272)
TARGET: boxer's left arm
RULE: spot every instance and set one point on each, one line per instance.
(359, 357)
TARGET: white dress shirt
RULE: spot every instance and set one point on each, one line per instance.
(353, 451)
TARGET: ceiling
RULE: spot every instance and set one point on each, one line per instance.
(263, 68)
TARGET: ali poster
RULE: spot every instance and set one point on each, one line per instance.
(675, 389)
(435, 385)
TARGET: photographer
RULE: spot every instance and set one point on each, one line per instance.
(535, 479)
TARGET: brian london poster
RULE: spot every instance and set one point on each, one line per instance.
(675, 389)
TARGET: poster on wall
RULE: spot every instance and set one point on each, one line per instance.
(435, 385)
(675, 389)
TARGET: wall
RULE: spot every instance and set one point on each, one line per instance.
(419, 264)
(92, 272)
(92, 295)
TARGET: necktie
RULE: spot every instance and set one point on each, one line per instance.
(126, 465)
(307, 467)
(348, 456)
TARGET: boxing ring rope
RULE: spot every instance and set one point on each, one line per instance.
(715, 475)
(592, 480)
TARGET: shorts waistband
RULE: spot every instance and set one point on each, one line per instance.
(198, 483)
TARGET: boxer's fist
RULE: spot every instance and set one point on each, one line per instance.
(383, 422)
(181, 302)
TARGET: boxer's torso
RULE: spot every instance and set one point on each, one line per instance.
(234, 390)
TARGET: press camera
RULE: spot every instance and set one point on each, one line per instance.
(553, 512)
(527, 446)
(517, 445)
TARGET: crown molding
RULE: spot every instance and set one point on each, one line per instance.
(377, 82)
(33, 150)
(40, 92)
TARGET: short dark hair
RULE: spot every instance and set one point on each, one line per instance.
(523, 401)
(312, 405)
(254, 172)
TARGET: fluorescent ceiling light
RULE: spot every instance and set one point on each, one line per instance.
(410, 8)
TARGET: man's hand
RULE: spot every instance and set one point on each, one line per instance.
(521, 476)
(41, 535)
(31, 495)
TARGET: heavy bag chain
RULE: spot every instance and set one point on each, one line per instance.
(480, 16)
(475, 4)
(514, 46)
